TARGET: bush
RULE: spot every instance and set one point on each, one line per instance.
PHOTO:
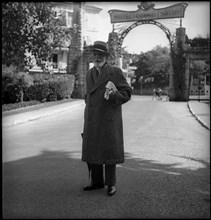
(10, 88)
(13, 83)
(21, 86)
(39, 91)
(60, 87)
(11, 94)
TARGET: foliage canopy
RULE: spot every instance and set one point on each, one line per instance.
(154, 64)
(30, 28)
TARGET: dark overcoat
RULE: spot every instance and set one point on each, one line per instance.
(103, 125)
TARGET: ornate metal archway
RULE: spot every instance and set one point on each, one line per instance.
(123, 34)
(115, 48)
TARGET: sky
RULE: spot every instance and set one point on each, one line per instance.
(145, 37)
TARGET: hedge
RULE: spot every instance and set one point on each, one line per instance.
(55, 87)
(38, 91)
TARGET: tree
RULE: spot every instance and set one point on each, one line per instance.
(199, 42)
(30, 28)
(154, 64)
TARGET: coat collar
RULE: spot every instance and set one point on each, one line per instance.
(105, 75)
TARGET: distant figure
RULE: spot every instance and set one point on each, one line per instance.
(159, 93)
(154, 94)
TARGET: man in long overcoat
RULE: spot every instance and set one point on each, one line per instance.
(106, 91)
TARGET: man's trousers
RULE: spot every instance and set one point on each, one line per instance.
(97, 176)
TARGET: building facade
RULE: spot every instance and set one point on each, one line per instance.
(89, 32)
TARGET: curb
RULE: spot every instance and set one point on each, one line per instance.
(42, 115)
(197, 118)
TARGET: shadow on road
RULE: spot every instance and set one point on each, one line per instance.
(49, 186)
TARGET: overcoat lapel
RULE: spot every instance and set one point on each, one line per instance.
(104, 76)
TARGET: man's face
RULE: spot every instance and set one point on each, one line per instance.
(99, 59)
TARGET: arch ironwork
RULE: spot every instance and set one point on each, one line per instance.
(124, 33)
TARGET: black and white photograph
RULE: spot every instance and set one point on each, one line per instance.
(106, 110)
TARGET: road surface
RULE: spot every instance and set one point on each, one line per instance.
(166, 173)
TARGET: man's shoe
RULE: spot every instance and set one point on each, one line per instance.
(93, 187)
(111, 190)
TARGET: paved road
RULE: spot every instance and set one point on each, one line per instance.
(166, 173)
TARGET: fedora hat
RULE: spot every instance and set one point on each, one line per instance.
(100, 46)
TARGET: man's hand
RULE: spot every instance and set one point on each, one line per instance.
(110, 89)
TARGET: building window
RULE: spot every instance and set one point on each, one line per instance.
(61, 14)
(55, 61)
(208, 80)
(69, 19)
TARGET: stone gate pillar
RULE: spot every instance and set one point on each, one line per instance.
(83, 67)
(187, 78)
(113, 48)
(75, 48)
(171, 92)
(179, 92)
(75, 64)
(180, 39)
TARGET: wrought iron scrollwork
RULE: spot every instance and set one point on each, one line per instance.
(122, 35)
